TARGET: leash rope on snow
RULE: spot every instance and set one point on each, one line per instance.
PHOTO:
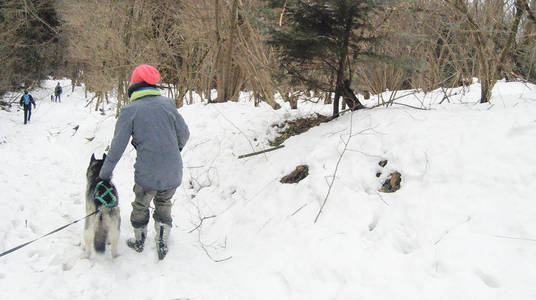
(53, 231)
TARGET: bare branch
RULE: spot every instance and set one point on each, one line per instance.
(201, 223)
(261, 152)
(336, 168)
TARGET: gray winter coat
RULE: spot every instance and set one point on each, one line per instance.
(158, 133)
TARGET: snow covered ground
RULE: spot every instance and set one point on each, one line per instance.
(463, 225)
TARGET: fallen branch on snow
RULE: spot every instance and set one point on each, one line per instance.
(260, 152)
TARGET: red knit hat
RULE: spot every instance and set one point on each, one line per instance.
(145, 73)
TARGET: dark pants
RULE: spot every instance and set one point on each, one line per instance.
(27, 113)
(140, 207)
(58, 98)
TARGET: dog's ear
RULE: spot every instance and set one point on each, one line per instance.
(104, 156)
(93, 157)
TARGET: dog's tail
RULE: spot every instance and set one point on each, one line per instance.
(101, 233)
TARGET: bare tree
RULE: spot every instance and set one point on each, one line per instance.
(493, 52)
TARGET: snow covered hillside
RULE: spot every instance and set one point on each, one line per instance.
(462, 226)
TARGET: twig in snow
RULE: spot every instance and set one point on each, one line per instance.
(445, 96)
(201, 223)
(326, 178)
(194, 167)
(90, 101)
(411, 106)
(514, 238)
(333, 133)
(368, 129)
(198, 144)
(300, 208)
(411, 116)
(381, 198)
(392, 101)
(336, 168)
(264, 225)
(75, 130)
(452, 228)
(421, 101)
(198, 228)
(426, 165)
(203, 246)
(241, 132)
(260, 152)
(364, 153)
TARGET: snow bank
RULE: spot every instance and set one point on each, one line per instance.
(461, 227)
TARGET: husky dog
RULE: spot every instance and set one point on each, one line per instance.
(102, 227)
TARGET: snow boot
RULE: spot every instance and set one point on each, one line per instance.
(161, 238)
(138, 241)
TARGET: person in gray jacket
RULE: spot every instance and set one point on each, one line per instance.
(158, 133)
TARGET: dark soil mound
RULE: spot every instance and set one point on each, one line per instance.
(297, 126)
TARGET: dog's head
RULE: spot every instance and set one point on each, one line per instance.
(95, 166)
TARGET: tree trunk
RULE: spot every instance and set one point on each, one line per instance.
(293, 102)
(327, 98)
(485, 90)
(208, 84)
(121, 95)
(224, 57)
(191, 96)
(340, 69)
(220, 83)
(292, 98)
(99, 99)
(349, 97)
(228, 78)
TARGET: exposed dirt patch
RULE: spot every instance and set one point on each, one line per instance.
(297, 126)
(383, 163)
(392, 184)
(297, 175)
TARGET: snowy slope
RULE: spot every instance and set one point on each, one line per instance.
(463, 225)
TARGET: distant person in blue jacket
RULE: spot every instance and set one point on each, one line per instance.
(57, 93)
(26, 102)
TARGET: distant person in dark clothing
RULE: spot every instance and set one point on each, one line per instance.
(26, 102)
(57, 93)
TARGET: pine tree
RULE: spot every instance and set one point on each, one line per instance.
(319, 36)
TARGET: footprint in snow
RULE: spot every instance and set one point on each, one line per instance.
(374, 222)
(488, 279)
(405, 239)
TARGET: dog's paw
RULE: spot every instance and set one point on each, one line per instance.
(84, 255)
